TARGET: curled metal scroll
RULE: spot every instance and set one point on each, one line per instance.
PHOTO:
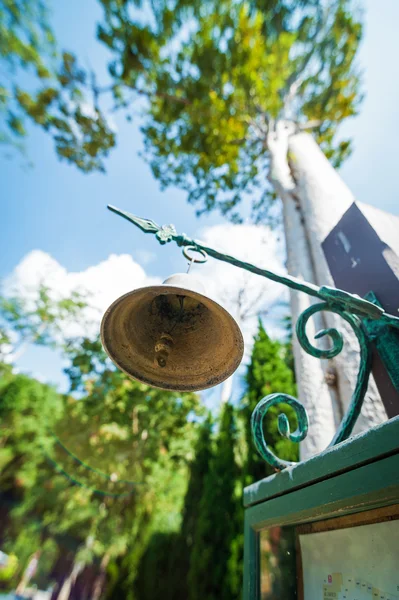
(283, 426)
(350, 418)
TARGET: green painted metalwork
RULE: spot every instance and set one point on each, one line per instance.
(356, 304)
(283, 426)
(350, 307)
(361, 474)
(386, 341)
(350, 418)
(353, 453)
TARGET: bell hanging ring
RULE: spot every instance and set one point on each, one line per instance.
(194, 255)
(172, 336)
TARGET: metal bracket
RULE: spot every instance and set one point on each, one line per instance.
(386, 341)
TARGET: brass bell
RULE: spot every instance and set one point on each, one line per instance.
(172, 336)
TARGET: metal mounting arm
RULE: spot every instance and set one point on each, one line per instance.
(350, 307)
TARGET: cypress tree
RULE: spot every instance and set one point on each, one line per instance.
(158, 575)
(198, 474)
(216, 528)
(270, 372)
(168, 554)
(267, 373)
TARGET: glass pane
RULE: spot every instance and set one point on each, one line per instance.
(352, 563)
(278, 564)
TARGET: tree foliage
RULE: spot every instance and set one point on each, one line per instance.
(27, 410)
(26, 44)
(239, 74)
(217, 524)
(92, 474)
(212, 80)
(169, 554)
(127, 479)
(84, 491)
(40, 319)
(46, 86)
(268, 373)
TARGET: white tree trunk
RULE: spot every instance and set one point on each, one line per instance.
(313, 390)
(314, 199)
(101, 578)
(324, 197)
(65, 590)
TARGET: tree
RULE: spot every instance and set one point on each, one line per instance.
(26, 44)
(215, 97)
(212, 568)
(28, 409)
(39, 319)
(199, 470)
(28, 412)
(101, 468)
(138, 433)
(267, 373)
(169, 552)
(227, 91)
(46, 86)
(159, 575)
(133, 433)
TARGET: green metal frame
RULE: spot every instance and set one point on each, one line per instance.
(357, 475)
(386, 341)
(368, 320)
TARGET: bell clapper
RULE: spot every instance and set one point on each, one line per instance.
(163, 348)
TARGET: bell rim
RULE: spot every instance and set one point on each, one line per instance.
(171, 289)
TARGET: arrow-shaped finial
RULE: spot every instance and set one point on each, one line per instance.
(164, 234)
(145, 225)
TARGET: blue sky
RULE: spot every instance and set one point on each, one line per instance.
(55, 208)
(62, 211)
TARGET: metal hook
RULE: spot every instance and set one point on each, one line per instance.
(188, 253)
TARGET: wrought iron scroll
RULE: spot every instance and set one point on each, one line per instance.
(283, 426)
(349, 307)
(350, 418)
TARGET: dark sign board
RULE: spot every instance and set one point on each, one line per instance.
(361, 263)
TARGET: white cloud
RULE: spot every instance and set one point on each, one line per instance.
(244, 294)
(145, 257)
(102, 283)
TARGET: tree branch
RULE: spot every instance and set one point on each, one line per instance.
(162, 95)
(98, 90)
(312, 124)
(296, 79)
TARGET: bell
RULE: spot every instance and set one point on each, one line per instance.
(172, 336)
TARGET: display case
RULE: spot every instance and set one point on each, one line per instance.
(328, 528)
